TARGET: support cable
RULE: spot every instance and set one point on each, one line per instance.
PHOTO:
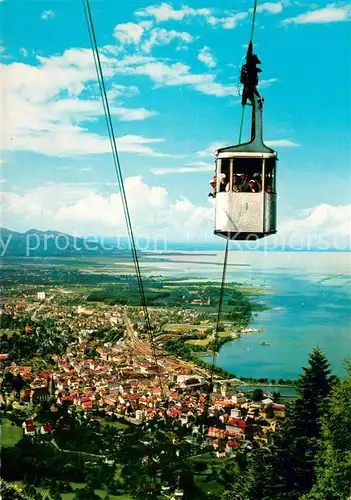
(253, 20)
(98, 67)
(220, 307)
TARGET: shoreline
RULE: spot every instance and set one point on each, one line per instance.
(282, 365)
(237, 380)
(222, 375)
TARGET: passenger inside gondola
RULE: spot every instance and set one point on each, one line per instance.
(235, 185)
(244, 175)
(244, 182)
(250, 171)
(253, 186)
(213, 184)
(222, 182)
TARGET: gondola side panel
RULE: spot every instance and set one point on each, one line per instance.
(239, 212)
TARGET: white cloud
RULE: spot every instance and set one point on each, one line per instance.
(144, 37)
(83, 210)
(160, 36)
(130, 114)
(227, 22)
(124, 90)
(38, 119)
(163, 72)
(197, 164)
(282, 143)
(138, 144)
(206, 57)
(212, 148)
(68, 72)
(216, 89)
(65, 141)
(2, 180)
(165, 12)
(47, 14)
(329, 14)
(86, 169)
(82, 110)
(128, 33)
(271, 7)
(23, 52)
(194, 167)
(51, 107)
(175, 74)
(119, 91)
(267, 83)
(324, 226)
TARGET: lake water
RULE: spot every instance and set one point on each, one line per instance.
(309, 304)
(289, 392)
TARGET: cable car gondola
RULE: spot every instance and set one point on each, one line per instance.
(245, 180)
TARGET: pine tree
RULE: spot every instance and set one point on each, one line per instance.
(334, 458)
(286, 469)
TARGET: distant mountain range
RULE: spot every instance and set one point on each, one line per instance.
(35, 243)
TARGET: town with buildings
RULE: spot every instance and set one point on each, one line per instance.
(101, 363)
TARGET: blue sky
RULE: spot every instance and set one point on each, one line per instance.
(172, 71)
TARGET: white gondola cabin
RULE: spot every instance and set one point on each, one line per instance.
(246, 193)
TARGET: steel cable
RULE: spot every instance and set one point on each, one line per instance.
(98, 67)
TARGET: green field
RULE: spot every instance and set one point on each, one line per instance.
(10, 434)
(205, 341)
(202, 342)
(185, 326)
(118, 425)
(82, 290)
(9, 331)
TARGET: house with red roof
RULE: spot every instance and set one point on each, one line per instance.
(279, 410)
(215, 432)
(110, 401)
(28, 427)
(69, 398)
(231, 446)
(236, 427)
(46, 429)
(87, 405)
